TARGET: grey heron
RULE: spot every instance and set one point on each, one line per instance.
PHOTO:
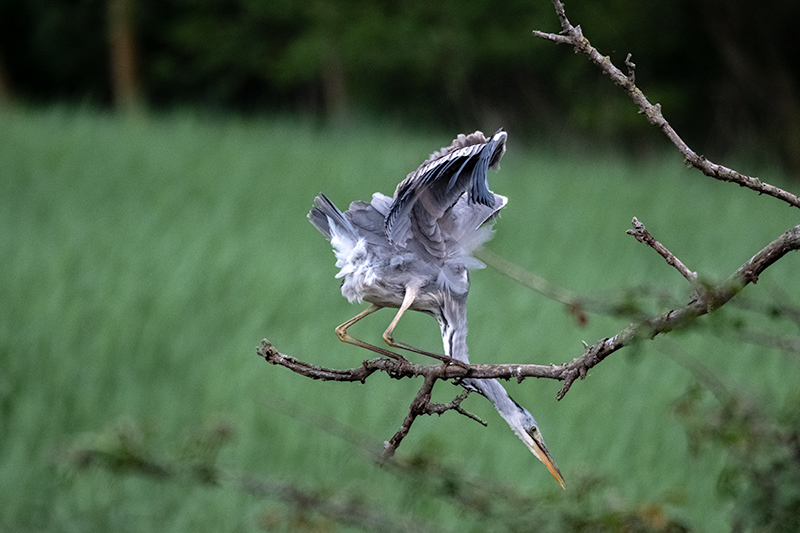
(413, 251)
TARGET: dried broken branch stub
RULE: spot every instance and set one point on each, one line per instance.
(631, 68)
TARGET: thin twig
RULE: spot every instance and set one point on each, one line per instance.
(641, 234)
(455, 405)
(527, 278)
(419, 406)
(575, 305)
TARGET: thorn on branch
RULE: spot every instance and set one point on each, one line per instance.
(631, 69)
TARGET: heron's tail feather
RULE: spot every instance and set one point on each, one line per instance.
(328, 219)
(349, 248)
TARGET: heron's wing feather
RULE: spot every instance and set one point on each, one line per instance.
(368, 222)
(466, 228)
(426, 194)
(381, 203)
(434, 182)
(464, 224)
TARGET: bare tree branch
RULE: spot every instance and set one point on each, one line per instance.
(575, 305)
(707, 301)
(455, 405)
(704, 302)
(405, 369)
(526, 278)
(421, 405)
(573, 35)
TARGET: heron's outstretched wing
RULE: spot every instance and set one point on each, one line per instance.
(422, 198)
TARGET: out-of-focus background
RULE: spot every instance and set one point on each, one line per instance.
(157, 161)
(725, 71)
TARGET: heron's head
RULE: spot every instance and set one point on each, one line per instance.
(520, 420)
(535, 443)
(499, 141)
(526, 429)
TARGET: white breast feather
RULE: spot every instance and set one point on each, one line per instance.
(354, 263)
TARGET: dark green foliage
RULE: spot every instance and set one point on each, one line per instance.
(55, 50)
(723, 71)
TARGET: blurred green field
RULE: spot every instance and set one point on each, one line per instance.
(143, 260)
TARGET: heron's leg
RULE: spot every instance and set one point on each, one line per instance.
(341, 332)
(408, 299)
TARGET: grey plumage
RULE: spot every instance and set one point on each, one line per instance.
(413, 251)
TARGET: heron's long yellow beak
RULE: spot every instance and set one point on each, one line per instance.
(540, 451)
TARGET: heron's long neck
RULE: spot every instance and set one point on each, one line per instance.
(453, 323)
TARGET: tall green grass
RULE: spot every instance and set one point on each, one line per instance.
(143, 259)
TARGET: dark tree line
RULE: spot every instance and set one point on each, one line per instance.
(726, 66)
